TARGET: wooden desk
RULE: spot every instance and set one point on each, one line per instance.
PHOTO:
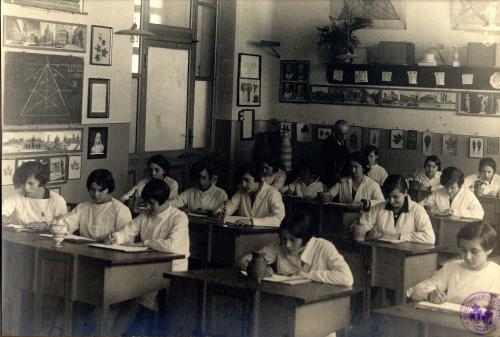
(406, 320)
(446, 229)
(34, 269)
(227, 306)
(418, 194)
(217, 245)
(385, 265)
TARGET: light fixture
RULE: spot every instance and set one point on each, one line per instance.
(134, 31)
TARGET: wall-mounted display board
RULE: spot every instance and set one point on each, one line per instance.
(42, 89)
(294, 80)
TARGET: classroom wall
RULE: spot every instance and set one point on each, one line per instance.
(104, 13)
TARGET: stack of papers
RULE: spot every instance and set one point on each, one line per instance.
(443, 307)
(120, 248)
(71, 237)
(288, 280)
(21, 228)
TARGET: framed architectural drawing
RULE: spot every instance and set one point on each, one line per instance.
(386, 14)
(42, 141)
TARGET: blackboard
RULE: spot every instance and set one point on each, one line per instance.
(42, 89)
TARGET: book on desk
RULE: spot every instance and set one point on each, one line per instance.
(447, 307)
(121, 248)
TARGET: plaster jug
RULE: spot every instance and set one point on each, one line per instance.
(257, 268)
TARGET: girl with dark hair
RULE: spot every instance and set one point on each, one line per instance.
(430, 176)
(399, 218)
(299, 252)
(158, 168)
(101, 214)
(453, 199)
(306, 186)
(488, 180)
(32, 204)
(376, 172)
(271, 173)
(356, 187)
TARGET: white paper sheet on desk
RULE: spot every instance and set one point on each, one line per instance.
(197, 215)
(22, 228)
(443, 307)
(389, 240)
(289, 280)
(71, 237)
(232, 218)
(120, 248)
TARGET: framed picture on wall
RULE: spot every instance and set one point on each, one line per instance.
(411, 141)
(98, 98)
(427, 143)
(397, 139)
(73, 6)
(483, 104)
(476, 147)
(249, 66)
(450, 144)
(247, 124)
(101, 45)
(74, 167)
(58, 165)
(248, 92)
(353, 139)
(323, 133)
(42, 141)
(97, 143)
(8, 168)
(373, 137)
(294, 81)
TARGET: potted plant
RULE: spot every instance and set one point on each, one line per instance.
(339, 36)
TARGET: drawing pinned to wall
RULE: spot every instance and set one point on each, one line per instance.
(58, 166)
(42, 89)
(450, 144)
(476, 147)
(286, 130)
(8, 168)
(248, 92)
(440, 100)
(304, 132)
(74, 167)
(37, 141)
(397, 139)
(411, 142)
(492, 145)
(373, 137)
(101, 45)
(353, 139)
(475, 15)
(323, 133)
(427, 143)
(388, 14)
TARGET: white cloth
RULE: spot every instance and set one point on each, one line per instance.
(434, 183)
(465, 203)
(490, 189)
(25, 210)
(172, 184)
(194, 199)
(378, 173)
(97, 221)
(368, 190)
(459, 282)
(267, 210)
(319, 259)
(277, 179)
(414, 225)
(299, 188)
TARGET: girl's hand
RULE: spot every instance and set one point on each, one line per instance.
(5, 220)
(110, 239)
(391, 236)
(38, 225)
(244, 222)
(436, 296)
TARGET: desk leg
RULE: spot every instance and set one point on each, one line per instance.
(423, 329)
(256, 314)
(102, 317)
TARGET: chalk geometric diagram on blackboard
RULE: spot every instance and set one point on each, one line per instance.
(43, 89)
(389, 14)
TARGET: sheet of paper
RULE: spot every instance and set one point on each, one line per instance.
(22, 228)
(232, 218)
(99, 95)
(120, 248)
(288, 280)
(444, 307)
(71, 237)
(389, 240)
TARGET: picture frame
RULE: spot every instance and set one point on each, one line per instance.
(476, 147)
(397, 139)
(97, 143)
(58, 165)
(353, 139)
(374, 137)
(101, 45)
(286, 130)
(74, 167)
(304, 132)
(249, 66)
(411, 139)
(28, 33)
(450, 145)
(481, 104)
(72, 6)
(323, 132)
(320, 94)
(247, 124)
(294, 81)
(469, 15)
(492, 145)
(42, 141)
(248, 92)
(98, 98)
(427, 143)
(8, 168)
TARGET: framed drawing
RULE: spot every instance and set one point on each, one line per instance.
(304, 132)
(247, 124)
(249, 66)
(320, 94)
(42, 141)
(353, 139)
(411, 139)
(437, 100)
(427, 143)
(97, 143)
(8, 168)
(388, 14)
(101, 45)
(373, 137)
(286, 130)
(450, 145)
(294, 81)
(73, 6)
(492, 145)
(479, 104)
(248, 92)
(397, 139)
(74, 167)
(323, 133)
(476, 147)
(475, 15)
(58, 165)
(41, 34)
(98, 98)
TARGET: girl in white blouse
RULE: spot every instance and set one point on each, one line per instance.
(306, 186)
(490, 181)
(376, 172)
(271, 173)
(431, 175)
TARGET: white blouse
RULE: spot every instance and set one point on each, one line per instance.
(299, 188)
(368, 190)
(378, 173)
(277, 179)
(490, 189)
(195, 199)
(434, 183)
(465, 203)
(172, 184)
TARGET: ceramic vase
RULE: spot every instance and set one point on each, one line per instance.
(257, 267)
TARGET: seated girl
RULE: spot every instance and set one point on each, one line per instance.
(32, 204)
(306, 186)
(376, 172)
(299, 252)
(204, 197)
(430, 177)
(473, 273)
(102, 214)
(453, 199)
(159, 168)
(399, 217)
(488, 179)
(271, 173)
(356, 187)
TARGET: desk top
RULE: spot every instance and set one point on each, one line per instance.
(407, 248)
(303, 293)
(447, 218)
(109, 257)
(195, 220)
(299, 200)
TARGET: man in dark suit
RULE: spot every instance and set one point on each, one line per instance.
(334, 153)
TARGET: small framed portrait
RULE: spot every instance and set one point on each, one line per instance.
(397, 139)
(294, 81)
(411, 141)
(323, 133)
(476, 147)
(97, 143)
(101, 45)
(98, 98)
(249, 66)
(248, 92)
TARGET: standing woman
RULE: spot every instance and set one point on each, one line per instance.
(431, 175)
(32, 204)
(271, 173)
(159, 168)
(490, 181)
(102, 214)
